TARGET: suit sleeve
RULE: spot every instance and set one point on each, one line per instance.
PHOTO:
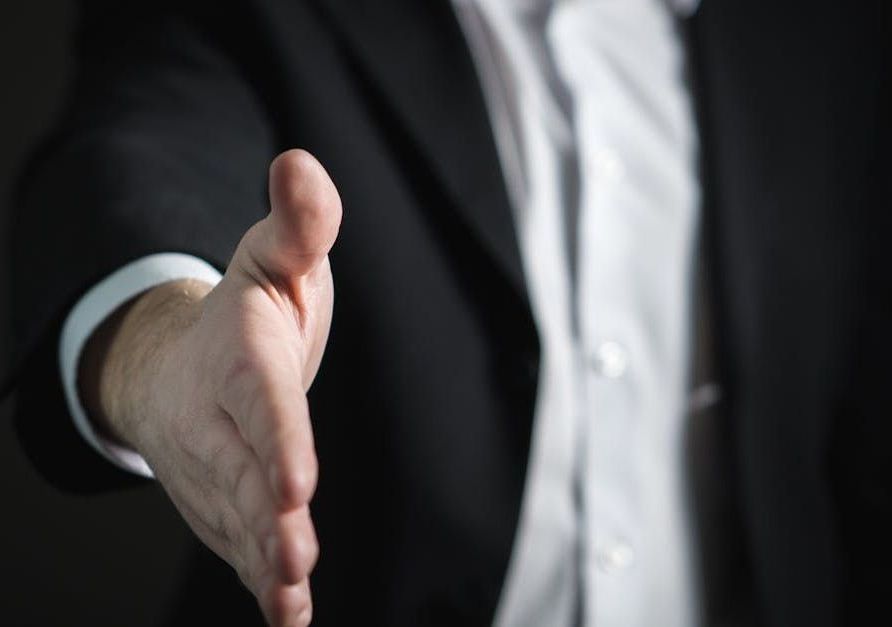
(163, 146)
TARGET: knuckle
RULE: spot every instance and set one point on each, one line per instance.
(306, 477)
(302, 553)
(294, 612)
(308, 553)
(297, 484)
(279, 605)
(306, 615)
(284, 604)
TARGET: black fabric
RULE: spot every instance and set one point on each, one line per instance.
(423, 406)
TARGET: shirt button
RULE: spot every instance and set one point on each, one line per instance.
(615, 557)
(610, 360)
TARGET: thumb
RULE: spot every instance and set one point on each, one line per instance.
(305, 214)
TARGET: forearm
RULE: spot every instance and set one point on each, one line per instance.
(122, 356)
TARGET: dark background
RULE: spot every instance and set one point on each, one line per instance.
(64, 560)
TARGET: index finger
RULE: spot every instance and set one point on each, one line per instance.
(268, 405)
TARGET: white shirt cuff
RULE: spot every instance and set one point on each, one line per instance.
(92, 309)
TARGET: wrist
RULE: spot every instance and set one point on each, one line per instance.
(124, 357)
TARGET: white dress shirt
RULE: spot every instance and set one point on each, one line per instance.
(595, 131)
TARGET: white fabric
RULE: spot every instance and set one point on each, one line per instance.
(595, 132)
(640, 203)
(594, 126)
(94, 307)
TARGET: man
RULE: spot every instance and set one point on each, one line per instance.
(500, 417)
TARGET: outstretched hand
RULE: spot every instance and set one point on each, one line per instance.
(209, 385)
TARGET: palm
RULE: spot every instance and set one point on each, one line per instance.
(235, 451)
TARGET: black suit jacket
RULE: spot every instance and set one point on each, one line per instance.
(423, 407)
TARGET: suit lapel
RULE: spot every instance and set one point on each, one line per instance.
(415, 54)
